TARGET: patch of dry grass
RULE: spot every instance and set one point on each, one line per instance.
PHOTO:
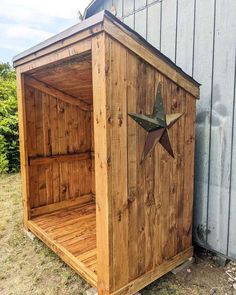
(29, 267)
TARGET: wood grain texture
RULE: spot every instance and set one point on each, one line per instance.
(47, 89)
(23, 138)
(115, 32)
(154, 206)
(143, 213)
(71, 233)
(102, 142)
(59, 144)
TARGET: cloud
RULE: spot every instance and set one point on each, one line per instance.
(24, 23)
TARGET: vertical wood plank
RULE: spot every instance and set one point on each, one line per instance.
(189, 138)
(101, 87)
(141, 136)
(132, 86)
(149, 199)
(23, 146)
(118, 72)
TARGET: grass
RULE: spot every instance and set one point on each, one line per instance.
(29, 267)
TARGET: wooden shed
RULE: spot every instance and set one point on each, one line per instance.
(118, 214)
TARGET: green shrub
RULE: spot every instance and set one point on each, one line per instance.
(9, 143)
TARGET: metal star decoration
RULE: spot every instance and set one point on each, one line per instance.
(157, 125)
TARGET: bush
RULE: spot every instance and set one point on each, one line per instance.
(9, 143)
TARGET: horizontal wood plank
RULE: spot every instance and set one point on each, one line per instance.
(76, 49)
(57, 93)
(59, 158)
(155, 274)
(62, 205)
(60, 44)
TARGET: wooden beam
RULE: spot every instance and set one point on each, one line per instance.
(23, 146)
(62, 204)
(146, 54)
(100, 59)
(80, 36)
(59, 158)
(59, 55)
(32, 82)
(146, 279)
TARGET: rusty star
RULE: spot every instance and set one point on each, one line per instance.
(157, 125)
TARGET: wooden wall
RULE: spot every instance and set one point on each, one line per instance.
(150, 204)
(57, 134)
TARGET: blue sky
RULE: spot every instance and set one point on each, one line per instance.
(24, 23)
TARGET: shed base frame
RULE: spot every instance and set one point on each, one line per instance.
(91, 276)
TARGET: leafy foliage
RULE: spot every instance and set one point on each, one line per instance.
(9, 143)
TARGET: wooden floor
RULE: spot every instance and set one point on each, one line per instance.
(72, 229)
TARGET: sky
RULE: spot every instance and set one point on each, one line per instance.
(25, 23)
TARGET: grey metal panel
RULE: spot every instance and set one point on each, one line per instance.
(232, 217)
(140, 4)
(129, 21)
(119, 7)
(185, 27)
(202, 70)
(128, 6)
(221, 124)
(154, 25)
(168, 28)
(107, 5)
(140, 22)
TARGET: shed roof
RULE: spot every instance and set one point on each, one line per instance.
(87, 24)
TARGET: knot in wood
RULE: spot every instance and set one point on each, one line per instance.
(120, 120)
(63, 188)
(61, 109)
(110, 120)
(150, 201)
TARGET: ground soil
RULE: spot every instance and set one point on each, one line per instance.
(29, 267)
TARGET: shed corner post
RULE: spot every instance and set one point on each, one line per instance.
(101, 108)
(23, 145)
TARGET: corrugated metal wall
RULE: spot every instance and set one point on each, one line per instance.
(200, 36)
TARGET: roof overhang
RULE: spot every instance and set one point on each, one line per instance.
(105, 21)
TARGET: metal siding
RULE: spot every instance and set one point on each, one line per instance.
(202, 71)
(128, 7)
(140, 4)
(139, 21)
(129, 21)
(232, 217)
(154, 25)
(119, 7)
(221, 125)
(200, 36)
(185, 26)
(168, 28)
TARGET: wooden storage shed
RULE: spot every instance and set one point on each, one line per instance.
(119, 223)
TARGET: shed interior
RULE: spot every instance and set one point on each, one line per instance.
(59, 119)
